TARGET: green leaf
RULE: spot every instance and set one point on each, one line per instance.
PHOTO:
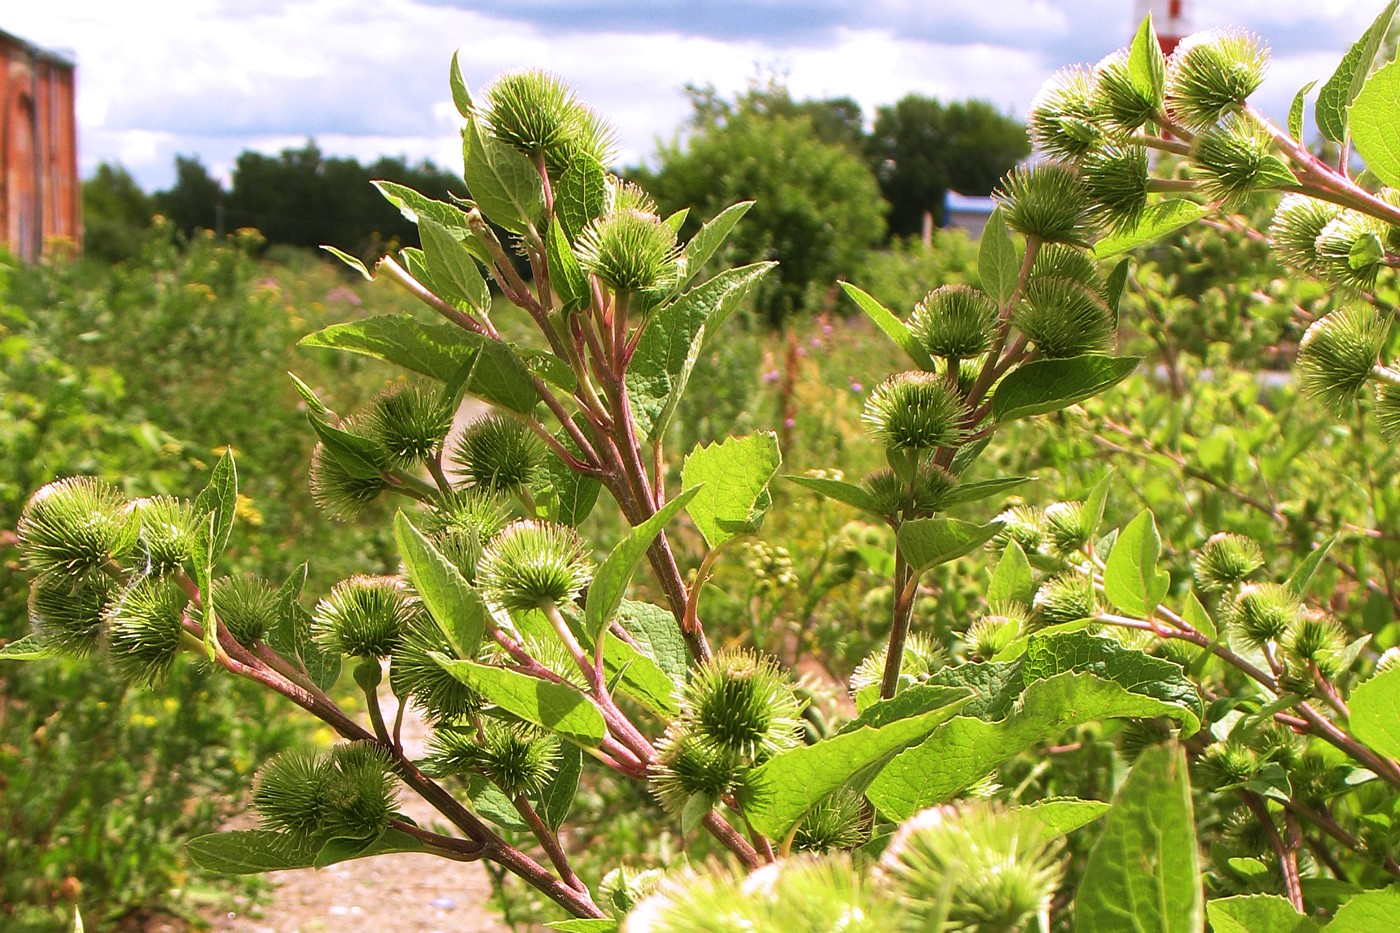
(584, 926)
(579, 193)
(787, 786)
(503, 182)
(657, 635)
(1062, 680)
(1144, 872)
(453, 270)
(430, 349)
(1196, 616)
(671, 342)
(848, 493)
(416, 207)
(29, 648)
(975, 492)
(928, 542)
(1373, 127)
(488, 801)
(220, 499)
(314, 406)
(998, 261)
(568, 496)
(558, 796)
(1375, 712)
(1273, 172)
(1366, 251)
(1368, 912)
(252, 851)
(565, 275)
(1157, 221)
(1042, 386)
(1147, 66)
(639, 676)
(1295, 111)
(1131, 580)
(1257, 913)
(461, 97)
(893, 327)
(735, 474)
(615, 572)
(695, 810)
(1301, 577)
(1117, 281)
(1339, 91)
(1011, 580)
(1059, 816)
(1094, 502)
(291, 636)
(452, 602)
(352, 261)
(674, 222)
(708, 239)
(557, 707)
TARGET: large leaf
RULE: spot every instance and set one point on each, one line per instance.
(454, 272)
(785, 788)
(567, 496)
(1144, 872)
(558, 795)
(735, 474)
(1373, 126)
(417, 207)
(1131, 580)
(1157, 221)
(1375, 712)
(928, 542)
(1061, 681)
(1058, 816)
(1042, 386)
(1368, 912)
(1257, 913)
(503, 182)
(657, 635)
(579, 193)
(557, 707)
(1335, 97)
(253, 851)
(669, 345)
(615, 572)
(998, 260)
(454, 605)
(1012, 581)
(708, 239)
(640, 677)
(893, 327)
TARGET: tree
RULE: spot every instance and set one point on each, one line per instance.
(115, 212)
(920, 148)
(818, 209)
(195, 200)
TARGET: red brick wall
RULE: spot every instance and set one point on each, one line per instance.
(40, 199)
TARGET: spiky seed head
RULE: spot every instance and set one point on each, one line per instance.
(840, 821)
(170, 533)
(1389, 660)
(1350, 250)
(630, 250)
(518, 758)
(1235, 158)
(1062, 121)
(993, 633)
(462, 523)
(1024, 524)
(536, 113)
(410, 421)
(414, 674)
(67, 613)
(364, 616)
(1067, 597)
(1388, 410)
(1226, 560)
(1139, 735)
(247, 606)
(1118, 99)
(1338, 354)
(1317, 639)
(1226, 764)
(74, 526)
(1277, 742)
(689, 765)
(1264, 612)
(1298, 222)
(743, 702)
(933, 489)
(498, 454)
(1047, 201)
(288, 792)
(622, 889)
(1063, 318)
(142, 629)
(1212, 71)
(1066, 524)
(340, 489)
(357, 796)
(922, 656)
(1056, 260)
(955, 321)
(1116, 178)
(533, 563)
(993, 869)
(916, 411)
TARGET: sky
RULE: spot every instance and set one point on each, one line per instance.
(210, 78)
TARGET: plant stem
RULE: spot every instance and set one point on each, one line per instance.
(899, 628)
(549, 841)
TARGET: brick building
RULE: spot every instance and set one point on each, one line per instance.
(39, 194)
